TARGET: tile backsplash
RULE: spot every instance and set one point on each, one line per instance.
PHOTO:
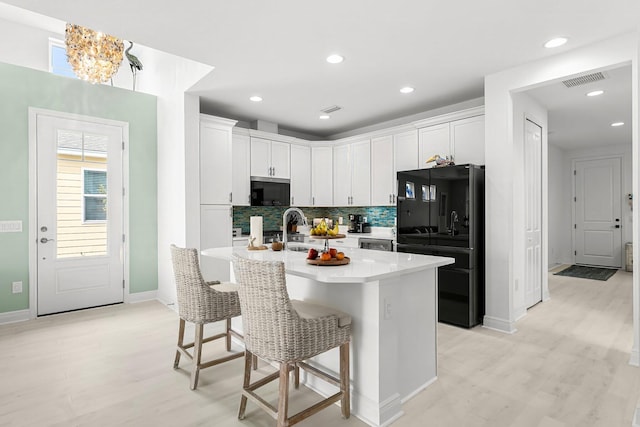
(378, 216)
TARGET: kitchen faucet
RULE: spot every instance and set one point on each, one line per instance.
(284, 223)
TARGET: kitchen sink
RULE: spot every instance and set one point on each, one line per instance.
(298, 249)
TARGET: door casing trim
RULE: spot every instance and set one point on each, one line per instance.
(33, 197)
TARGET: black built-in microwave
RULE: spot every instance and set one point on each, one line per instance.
(270, 191)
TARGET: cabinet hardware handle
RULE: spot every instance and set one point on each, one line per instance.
(292, 200)
(249, 199)
(313, 200)
(230, 197)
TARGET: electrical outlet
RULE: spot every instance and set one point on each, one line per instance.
(387, 309)
(16, 287)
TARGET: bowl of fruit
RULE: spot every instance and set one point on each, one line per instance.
(329, 257)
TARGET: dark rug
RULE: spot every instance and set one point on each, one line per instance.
(583, 272)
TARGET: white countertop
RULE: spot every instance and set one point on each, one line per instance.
(365, 265)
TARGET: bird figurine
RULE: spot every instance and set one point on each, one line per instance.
(440, 161)
(134, 63)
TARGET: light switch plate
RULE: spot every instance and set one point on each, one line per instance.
(16, 287)
(10, 226)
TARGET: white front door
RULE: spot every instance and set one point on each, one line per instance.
(598, 232)
(533, 213)
(79, 214)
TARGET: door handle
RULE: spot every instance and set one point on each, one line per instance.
(45, 240)
(617, 226)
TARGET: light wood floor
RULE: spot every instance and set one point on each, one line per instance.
(566, 366)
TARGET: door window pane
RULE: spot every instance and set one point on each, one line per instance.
(81, 194)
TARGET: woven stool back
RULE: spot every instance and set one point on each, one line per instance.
(197, 301)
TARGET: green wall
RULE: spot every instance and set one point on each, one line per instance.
(21, 88)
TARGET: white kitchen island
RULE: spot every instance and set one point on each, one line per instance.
(392, 299)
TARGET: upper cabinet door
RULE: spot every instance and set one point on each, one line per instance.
(260, 157)
(215, 164)
(300, 175)
(280, 159)
(361, 173)
(405, 152)
(321, 176)
(433, 140)
(240, 152)
(383, 176)
(341, 176)
(467, 140)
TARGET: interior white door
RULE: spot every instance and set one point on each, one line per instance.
(79, 214)
(533, 213)
(598, 232)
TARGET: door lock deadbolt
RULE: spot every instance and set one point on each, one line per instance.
(43, 228)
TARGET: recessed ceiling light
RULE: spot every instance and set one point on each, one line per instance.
(558, 41)
(335, 59)
(616, 124)
(324, 117)
(256, 98)
(595, 93)
(407, 89)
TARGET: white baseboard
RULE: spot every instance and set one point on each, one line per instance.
(500, 325)
(15, 316)
(141, 297)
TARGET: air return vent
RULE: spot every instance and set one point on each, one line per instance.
(331, 109)
(583, 80)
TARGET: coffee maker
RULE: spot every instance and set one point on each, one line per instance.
(355, 222)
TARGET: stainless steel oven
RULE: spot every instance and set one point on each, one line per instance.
(376, 244)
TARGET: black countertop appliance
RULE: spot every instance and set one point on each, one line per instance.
(440, 211)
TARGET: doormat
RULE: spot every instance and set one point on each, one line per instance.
(583, 272)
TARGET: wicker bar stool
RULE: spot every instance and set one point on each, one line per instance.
(201, 302)
(288, 332)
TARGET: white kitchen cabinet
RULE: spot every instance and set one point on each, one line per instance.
(405, 152)
(300, 175)
(434, 140)
(321, 176)
(390, 154)
(270, 158)
(463, 140)
(383, 177)
(352, 174)
(241, 175)
(467, 140)
(215, 232)
(215, 162)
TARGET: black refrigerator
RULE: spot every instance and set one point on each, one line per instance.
(440, 211)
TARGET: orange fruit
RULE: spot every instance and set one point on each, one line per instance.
(340, 256)
(326, 256)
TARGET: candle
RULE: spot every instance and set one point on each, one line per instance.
(256, 230)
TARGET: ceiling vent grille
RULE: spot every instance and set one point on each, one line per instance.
(331, 109)
(583, 80)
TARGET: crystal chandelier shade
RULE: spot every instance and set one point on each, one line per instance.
(94, 56)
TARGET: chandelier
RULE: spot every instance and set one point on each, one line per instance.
(94, 56)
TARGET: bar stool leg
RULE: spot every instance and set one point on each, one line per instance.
(248, 357)
(180, 343)
(345, 401)
(197, 356)
(228, 338)
(283, 395)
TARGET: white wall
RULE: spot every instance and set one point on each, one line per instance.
(501, 198)
(24, 41)
(559, 208)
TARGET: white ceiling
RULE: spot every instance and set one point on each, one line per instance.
(579, 121)
(277, 49)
